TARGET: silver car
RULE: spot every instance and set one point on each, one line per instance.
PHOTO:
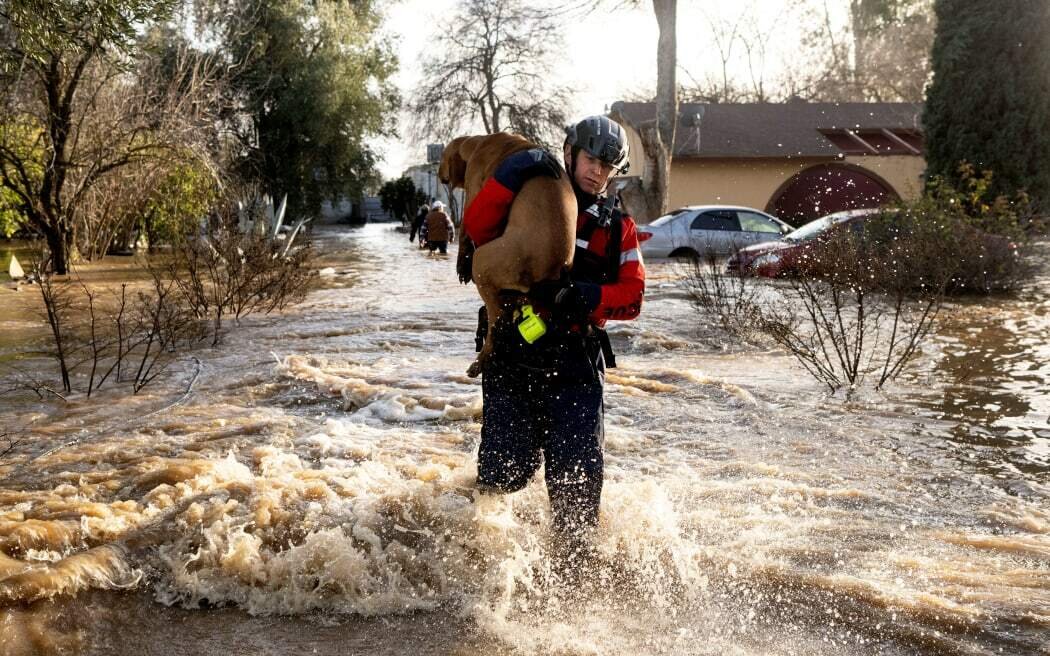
(717, 230)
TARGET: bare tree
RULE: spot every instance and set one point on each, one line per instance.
(725, 33)
(180, 96)
(881, 54)
(54, 59)
(647, 199)
(741, 40)
(492, 69)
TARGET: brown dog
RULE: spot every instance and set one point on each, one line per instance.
(539, 238)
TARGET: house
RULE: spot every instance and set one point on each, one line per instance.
(796, 160)
(424, 177)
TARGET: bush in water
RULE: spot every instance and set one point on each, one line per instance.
(860, 303)
(226, 273)
(134, 333)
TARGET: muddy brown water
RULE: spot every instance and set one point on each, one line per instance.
(314, 494)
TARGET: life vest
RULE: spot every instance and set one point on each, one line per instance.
(587, 265)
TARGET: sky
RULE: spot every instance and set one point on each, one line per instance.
(623, 63)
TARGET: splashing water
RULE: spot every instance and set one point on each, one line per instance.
(316, 493)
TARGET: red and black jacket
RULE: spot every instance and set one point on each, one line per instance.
(619, 271)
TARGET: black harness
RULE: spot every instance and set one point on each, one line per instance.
(602, 269)
(590, 266)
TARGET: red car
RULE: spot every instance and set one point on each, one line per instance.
(782, 257)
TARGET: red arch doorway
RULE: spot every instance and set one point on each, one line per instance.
(827, 188)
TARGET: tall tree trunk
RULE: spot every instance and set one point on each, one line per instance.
(58, 243)
(860, 21)
(658, 140)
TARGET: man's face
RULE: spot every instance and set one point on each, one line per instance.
(592, 174)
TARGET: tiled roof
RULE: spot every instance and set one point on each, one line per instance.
(792, 129)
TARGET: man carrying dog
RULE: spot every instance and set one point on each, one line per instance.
(543, 399)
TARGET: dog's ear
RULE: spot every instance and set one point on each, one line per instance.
(453, 168)
(469, 145)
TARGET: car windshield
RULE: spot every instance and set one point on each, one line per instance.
(666, 217)
(814, 228)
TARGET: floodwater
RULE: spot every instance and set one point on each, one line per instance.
(313, 492)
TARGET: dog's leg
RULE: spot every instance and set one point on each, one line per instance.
(465, 259)
(494, 310)
(503, 265)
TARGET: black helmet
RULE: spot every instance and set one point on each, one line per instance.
(601, 137)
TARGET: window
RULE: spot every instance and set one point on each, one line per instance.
(667, 217)
(752, 222)
(875, 141)
(724, 220)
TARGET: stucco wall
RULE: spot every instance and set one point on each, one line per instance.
(902, 172)
(753, 181)
(749, 182)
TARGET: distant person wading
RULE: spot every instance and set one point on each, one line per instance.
(440, 230)
(417, 224)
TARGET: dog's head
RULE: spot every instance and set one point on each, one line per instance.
(453, 168)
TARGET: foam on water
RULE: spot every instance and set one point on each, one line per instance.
(742, 513)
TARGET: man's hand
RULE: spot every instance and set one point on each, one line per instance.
(521, 167)
(575, 300)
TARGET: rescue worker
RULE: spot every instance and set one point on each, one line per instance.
(440, 230)
(417, 222)
(543, 401)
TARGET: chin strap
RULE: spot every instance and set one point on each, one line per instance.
(574, 152)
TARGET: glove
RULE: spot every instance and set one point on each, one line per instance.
(519, 168)
(572, 299)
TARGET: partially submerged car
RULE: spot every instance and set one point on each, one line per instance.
(989, 260)
(701, 230)
(784, 256)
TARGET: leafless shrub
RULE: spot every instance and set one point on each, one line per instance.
(132, 335)
(851, 320)
(18, 379)
(125, 337)
(730, 299)
(163, 325)
(857, 309)
(58, 305)
(859, 301)
(229, 274)
(9, 443)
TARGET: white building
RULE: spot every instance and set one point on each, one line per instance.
(424, 177)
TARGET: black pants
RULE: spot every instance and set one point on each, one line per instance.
(438, 245)
(533, 415)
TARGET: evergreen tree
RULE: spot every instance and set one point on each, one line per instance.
(401, 198)
(312, 86)
(989, 101)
